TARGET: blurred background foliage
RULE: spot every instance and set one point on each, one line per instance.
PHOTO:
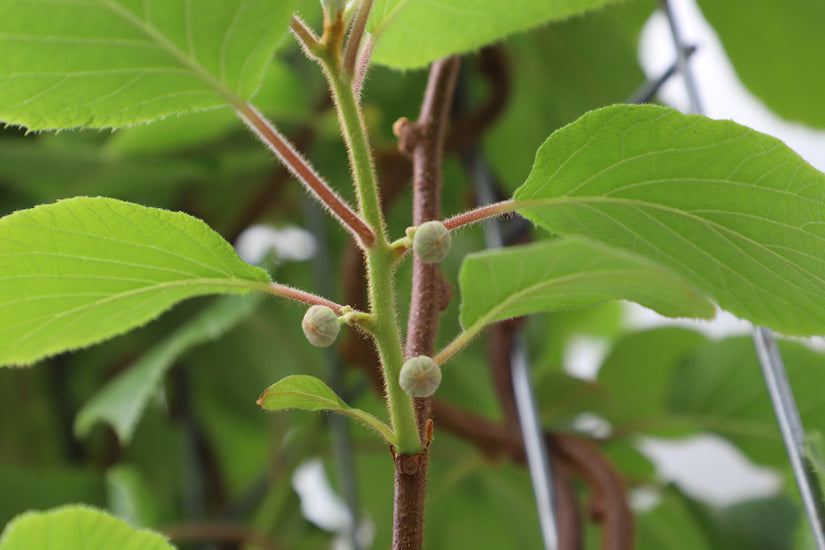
(205, 462)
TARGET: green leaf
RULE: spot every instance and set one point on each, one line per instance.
(414, 33)
(44, 171)
(82, 270)
(76, 528)
(308, 393)
(567, 273)
(776, 67)
(111, 63)
(121, 402)
(129, 496)
(719, 390)
(559, 72)
(282, 96)
(735, 212)
(651, 356)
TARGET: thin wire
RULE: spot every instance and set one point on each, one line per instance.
(341, 441)
(681, 61)
(770, 360)
(531, 432)
(650, 88)
(790, 424)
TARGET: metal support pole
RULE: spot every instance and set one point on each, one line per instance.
(790, 424)
(531, 432)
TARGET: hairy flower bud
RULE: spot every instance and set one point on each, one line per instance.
(431, 242)
(420, 376)
(321, 326)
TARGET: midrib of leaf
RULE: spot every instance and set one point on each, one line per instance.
(521, 204)
(343, 408)
(233, 282)
(388, 17)
(172, 49)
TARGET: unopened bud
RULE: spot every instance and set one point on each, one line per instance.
(420, 376)
(321, 326)
(431, 242)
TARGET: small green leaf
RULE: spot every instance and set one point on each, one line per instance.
(413, 33)
(121, 402)
(777, 69)
(76, 528)
(736, 213)
(308, 393)
(568, 273)
(79, 271)
(111, 63)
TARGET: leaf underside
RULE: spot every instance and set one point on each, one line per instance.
(735, 212)
(567, 273)
(309, 393)
(81, 270)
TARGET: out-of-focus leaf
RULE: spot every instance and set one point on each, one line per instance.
(559, 72)
(38, 488)
(775, 64)
(121, 401)
(128, 496)
(720, 389)
(636, 376)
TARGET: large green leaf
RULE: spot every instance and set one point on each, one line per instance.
(111, 63)
(567, 273)
(122, 401)
(307, 393)
(414, 32)
(76, 528)
(775, 64)
(81, 270)
(737, 213)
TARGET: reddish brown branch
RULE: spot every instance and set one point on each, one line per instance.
(301, 169)
(424, 140)
(608, 505)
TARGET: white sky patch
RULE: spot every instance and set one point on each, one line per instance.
(584, 355)
(321, 505)
(287, 244)
(721, 93)
(725, 324)
(710, 469)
